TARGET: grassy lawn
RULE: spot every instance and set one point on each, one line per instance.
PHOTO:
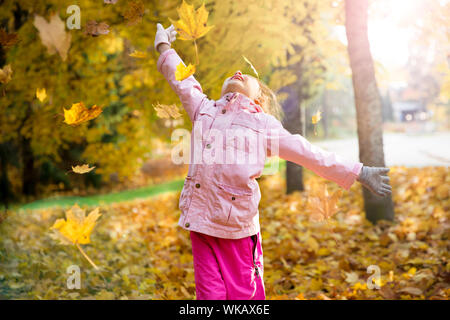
(68, 201)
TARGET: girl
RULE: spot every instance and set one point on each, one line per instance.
(219, 200)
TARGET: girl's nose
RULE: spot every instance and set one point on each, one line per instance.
(238, 72)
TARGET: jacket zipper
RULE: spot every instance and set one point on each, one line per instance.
(253, 254)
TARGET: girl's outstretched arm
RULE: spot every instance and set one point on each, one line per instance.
(189, 90)
(328, 165)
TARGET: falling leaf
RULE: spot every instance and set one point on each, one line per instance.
(182, 72)
(192, 24)
(322, 205)
(251, 66)
(76, 228)
(134, 13)
(94, 28)
(167, 111)
(78, 113)
(41, 94)
(82, 169)
(316, 117)
(53, 35)
(6, 74)
(138, 54)
(8, 39)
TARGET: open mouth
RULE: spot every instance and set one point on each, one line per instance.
(237, 77)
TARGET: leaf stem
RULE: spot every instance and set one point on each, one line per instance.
(86, 256)
(196, 52)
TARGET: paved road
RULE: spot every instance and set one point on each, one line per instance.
(411, 150)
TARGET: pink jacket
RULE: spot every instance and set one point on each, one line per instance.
(230, 141)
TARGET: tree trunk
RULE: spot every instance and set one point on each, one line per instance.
(28, 172)
(292, 123)
(368, 104)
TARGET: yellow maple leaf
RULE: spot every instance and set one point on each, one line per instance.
(41, 94)
(184, 72)
(6, 74)
(322, 205)
(138, 54)
(167, 111)
(76, 228)
(192, 24)
(316, 117)
(78, 113)
(82, 169)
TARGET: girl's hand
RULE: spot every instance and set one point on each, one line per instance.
(376, 180)
(166, 36)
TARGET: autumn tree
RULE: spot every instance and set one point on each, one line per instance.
(368, 104)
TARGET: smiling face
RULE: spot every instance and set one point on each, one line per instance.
(242, 83)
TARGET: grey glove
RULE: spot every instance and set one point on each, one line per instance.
(376, 180)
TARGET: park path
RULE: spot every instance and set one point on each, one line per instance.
(400, 149)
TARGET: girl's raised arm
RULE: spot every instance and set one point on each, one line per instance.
(328, 165)
(188, 90)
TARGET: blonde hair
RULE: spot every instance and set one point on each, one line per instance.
(268, 101)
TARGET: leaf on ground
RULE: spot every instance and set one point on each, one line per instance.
(412, 290)
(53, 35)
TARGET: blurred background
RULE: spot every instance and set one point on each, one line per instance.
(298, 47)
(369, 80)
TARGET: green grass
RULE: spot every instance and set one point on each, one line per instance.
(101, 199)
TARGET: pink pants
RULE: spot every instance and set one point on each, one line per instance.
(228, 269)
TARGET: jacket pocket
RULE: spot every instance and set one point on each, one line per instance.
(186, 194)
(233, 206)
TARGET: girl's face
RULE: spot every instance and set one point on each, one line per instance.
(242, 83)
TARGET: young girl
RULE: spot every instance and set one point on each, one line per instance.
(219, 200)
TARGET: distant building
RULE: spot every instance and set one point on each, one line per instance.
(407, 104)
